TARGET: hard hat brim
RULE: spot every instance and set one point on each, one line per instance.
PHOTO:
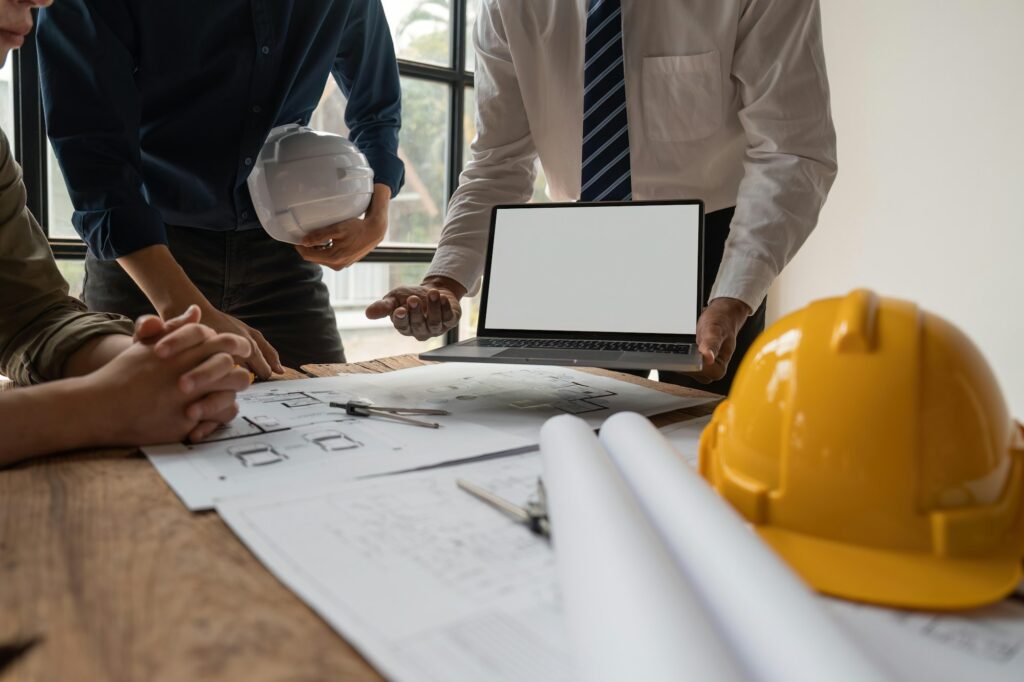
(895, 579)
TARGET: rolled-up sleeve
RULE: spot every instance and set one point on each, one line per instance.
(40, 325)
(93, 110)
(502, 169)
(366, 70)
(790, 161)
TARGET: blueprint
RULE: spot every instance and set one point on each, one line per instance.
(431, 584)
(516, 399)
(287, 436)
(425, 580)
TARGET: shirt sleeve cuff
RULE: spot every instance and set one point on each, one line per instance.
(460, 264)
(388, 169)
(744, 278)
(119, 231)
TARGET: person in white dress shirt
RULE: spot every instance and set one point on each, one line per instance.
(726, 101)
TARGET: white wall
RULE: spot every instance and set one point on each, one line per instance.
(928, 101)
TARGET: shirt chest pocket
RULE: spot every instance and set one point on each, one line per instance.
(682, 97)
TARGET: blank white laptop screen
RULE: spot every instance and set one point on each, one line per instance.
(607, 269)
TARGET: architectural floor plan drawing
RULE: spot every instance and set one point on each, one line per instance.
(515, 399)
(288, 435)
(285, 439)
(426, 581)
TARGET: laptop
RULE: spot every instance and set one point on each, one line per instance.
(614, 285)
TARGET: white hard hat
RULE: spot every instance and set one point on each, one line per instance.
(305, 179)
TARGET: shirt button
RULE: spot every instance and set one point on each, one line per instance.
(245, 215)
(248, 161)
(265, 49)
(256, 109)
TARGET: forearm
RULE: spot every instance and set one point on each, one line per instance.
(163, 280)
(96, 353)
(50, 418)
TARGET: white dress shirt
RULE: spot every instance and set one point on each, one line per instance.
(727, 102)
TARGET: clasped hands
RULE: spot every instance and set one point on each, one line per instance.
(433, 308)
(181, 373)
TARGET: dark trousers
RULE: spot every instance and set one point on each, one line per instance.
(246, 274)
(716, 231)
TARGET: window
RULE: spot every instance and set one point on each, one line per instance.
(433, 40)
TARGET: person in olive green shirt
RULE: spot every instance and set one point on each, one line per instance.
(170, 381)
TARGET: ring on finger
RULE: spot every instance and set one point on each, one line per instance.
(329, 244)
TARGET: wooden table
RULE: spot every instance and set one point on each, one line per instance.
(113, 579)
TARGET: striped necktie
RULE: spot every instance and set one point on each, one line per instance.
(606, 173)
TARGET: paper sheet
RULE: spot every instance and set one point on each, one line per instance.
(286, 436)
(425, 580)
(431, 584)
(516, 399)
(289, 439)
(630, 614)
(771, 621)
(983, 644)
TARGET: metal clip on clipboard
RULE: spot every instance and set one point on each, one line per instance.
(360, 409)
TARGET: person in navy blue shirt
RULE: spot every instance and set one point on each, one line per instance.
(157, 112)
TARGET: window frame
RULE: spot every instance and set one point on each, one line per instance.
(30, 143)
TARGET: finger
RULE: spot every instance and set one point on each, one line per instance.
(709, 340)
(417, 322)
(211, 405)
(187, 337)
(226, 414)
(400, 319)
(215, 370)
(333, 257)
(432, 313)
(200, 432)
(312, 255)
(382, 308)
(191, 314)
(148, 328)
(228, 344)
(257, 363)
(270, 353)
(454, 311)
(335, 231)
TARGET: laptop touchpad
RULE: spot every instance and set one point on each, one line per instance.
(555, 354)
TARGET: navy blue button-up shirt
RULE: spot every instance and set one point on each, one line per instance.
(157, 108)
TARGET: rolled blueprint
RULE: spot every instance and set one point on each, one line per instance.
(774, 625)
(630, 617)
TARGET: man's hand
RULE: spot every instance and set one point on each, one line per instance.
(428, 310)
(716, 336)
(170, 290)
(342, 244)
(182, 386)
(263, 359)
(150, 329)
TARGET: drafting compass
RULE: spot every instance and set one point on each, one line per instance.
(356, 408)
(534, 515)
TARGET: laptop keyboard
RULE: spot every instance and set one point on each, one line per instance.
(581, 344)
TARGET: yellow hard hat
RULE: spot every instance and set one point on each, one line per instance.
(869, 444)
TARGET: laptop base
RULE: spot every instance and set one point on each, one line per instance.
(471, 351)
